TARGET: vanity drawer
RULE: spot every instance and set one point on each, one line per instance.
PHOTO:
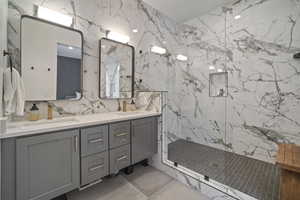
(119, 134)
(94, 140)
(119, 158)
(94, 167)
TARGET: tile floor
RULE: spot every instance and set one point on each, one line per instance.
(146, 183)
(247, 175)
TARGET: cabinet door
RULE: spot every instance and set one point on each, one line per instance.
(144, 139)
(47, 165)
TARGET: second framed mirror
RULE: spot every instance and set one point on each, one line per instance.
(116, 70)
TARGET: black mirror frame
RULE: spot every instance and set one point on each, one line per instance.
(61, 26)
(133, 67)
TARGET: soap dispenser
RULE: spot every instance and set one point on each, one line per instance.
(34, 113)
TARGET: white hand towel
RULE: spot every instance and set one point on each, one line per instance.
(14, 93)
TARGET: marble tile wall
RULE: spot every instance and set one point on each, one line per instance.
(263, 105)
(94, 19)
(262, 108)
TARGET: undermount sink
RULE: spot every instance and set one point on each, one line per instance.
(40, 122)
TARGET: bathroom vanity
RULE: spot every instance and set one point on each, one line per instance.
(42, 160)
(47, 158)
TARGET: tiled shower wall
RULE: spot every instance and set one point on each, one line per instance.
(262, 108)
(263, 105)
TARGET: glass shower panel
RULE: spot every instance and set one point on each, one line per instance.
(195, 136)
(195, 122)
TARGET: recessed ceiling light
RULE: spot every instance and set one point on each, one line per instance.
(118, 37)
(70, 47)
(237, 17)
(220, 70)
(54, 16)
(135, 30)
(158, 50)
(181, 57)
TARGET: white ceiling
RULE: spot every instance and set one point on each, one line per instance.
(183, 10)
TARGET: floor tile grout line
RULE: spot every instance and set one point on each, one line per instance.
(134, 187)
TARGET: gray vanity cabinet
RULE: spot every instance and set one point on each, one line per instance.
(119, 145)
(47, 165)
(144, 138)
(94, 154)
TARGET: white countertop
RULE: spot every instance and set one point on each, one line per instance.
(17, 129)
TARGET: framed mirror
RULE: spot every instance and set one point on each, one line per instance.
(116, 70)
(51, 68)
(218, 84)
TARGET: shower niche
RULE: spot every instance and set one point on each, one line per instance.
(218, 84)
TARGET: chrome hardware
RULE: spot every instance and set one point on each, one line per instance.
(96, 140)
(95, 168)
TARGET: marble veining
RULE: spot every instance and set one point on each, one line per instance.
(262, 107)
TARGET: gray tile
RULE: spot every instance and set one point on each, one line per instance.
(177, 191)
(148, 179)
(116, 188)
(250, 176)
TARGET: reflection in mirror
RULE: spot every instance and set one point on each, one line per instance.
(218, 84)
(51, 68)
(116, 69)
(68, 72)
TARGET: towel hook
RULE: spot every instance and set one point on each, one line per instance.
(6, 53)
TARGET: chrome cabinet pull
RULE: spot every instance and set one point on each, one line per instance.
(122, 158)
(95, 168)
(76, 143)
(96, 140)
(121, 134)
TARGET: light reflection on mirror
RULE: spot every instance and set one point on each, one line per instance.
(116, 69)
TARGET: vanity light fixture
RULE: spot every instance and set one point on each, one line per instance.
(158, 50)
(181, 57)
(237, 17)
(212, 68)
(135, 30)
(118, 37)
(51, 15)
